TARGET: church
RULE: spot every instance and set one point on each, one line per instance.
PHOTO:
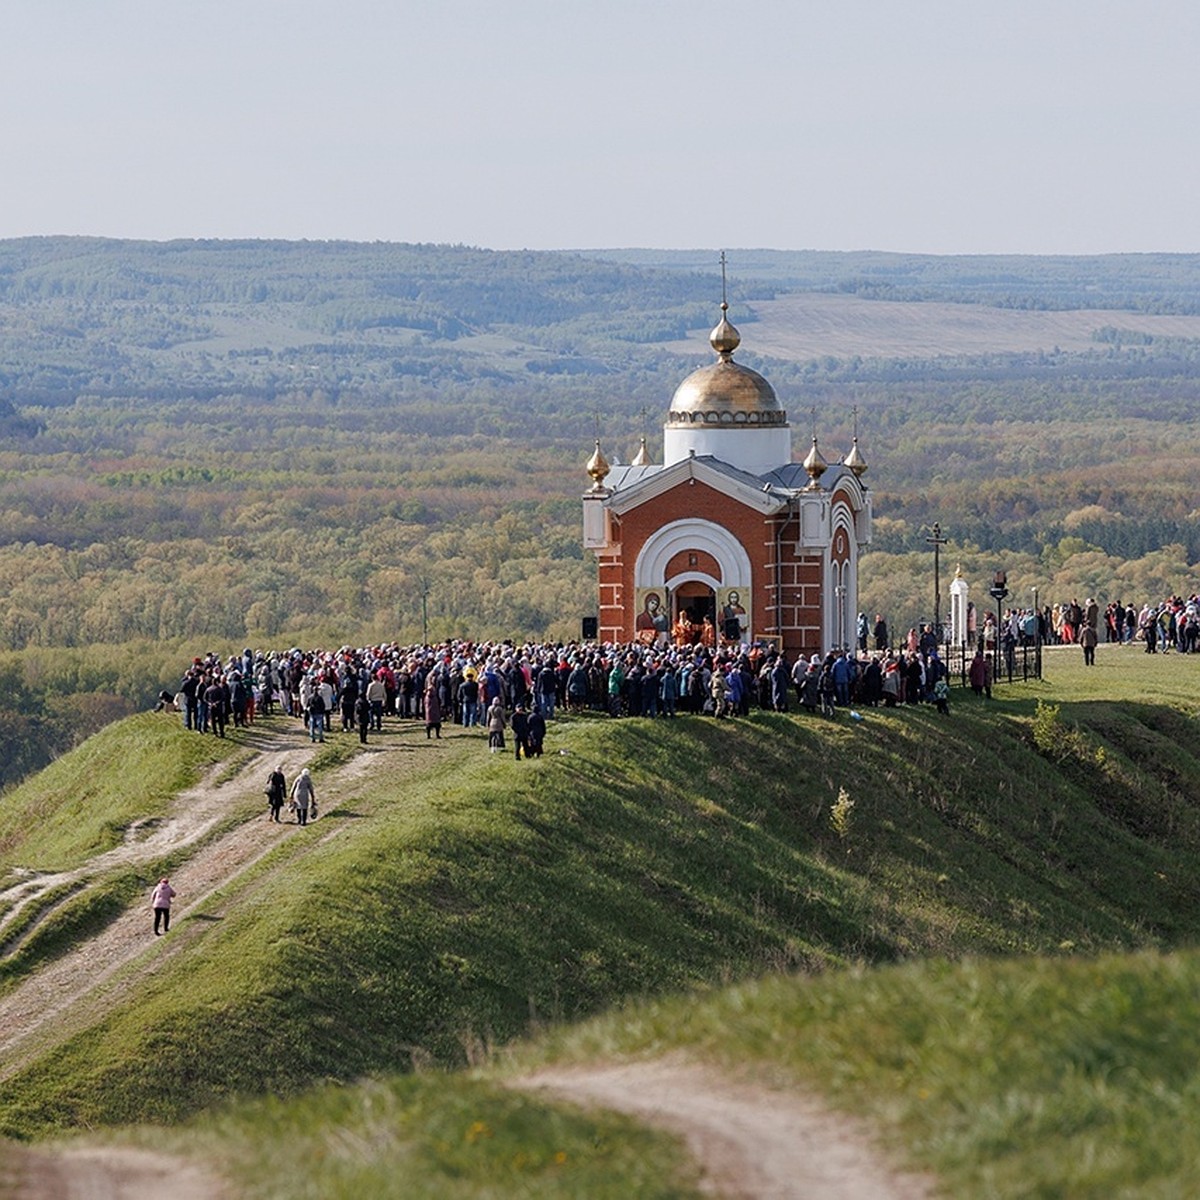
(728, 542)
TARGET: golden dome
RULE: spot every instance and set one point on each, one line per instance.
(597, 467)
(642, 458)
(855, 460)
(815, 464)
(725, 392)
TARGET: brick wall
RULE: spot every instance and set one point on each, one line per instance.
(798, 593)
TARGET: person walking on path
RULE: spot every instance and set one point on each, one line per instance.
(1088, 638)
(161, 903)
(304, 796)
(276, 792)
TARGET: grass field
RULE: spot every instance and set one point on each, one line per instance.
(811, 325)
(977, 931)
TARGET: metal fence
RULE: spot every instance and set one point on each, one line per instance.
(1010, 664)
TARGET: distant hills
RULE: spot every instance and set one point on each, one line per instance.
(387, 322)
(1138, 282)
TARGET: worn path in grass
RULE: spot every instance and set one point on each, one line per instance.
(77, 989)
(752, 1143)
(111, 1173)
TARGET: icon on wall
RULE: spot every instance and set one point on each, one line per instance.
(733, 613)
(653, 619)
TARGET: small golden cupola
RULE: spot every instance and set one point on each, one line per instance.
(815, 465)
(642, 458)
(855, 461)
(598, 468)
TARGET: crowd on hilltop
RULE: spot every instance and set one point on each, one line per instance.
(502, 685)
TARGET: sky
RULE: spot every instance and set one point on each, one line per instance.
(957, 127)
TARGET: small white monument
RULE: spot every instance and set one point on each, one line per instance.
(959, 609)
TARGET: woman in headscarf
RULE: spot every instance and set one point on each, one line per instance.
(496, 724)
(433, 707)
(304, 796)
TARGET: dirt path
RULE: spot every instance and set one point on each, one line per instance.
(112, 1173)
(63, 997)
(72, 992)
(752, 1143)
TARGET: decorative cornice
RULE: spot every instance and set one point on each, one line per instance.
(728, 420)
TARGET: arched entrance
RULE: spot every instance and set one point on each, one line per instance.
(718, 566)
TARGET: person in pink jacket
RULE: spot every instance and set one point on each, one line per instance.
(161, 903)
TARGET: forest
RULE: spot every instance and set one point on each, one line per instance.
(206, 445)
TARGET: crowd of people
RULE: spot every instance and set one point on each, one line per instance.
(507, 689)
(1173, 624)
(503, 687)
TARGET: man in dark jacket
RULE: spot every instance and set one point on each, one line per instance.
(316, 716)
(520, 730)
(537, 733)
(214, 697)
(190, 690)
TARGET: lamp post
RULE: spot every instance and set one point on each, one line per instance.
(424, 612)
(998, 591)
(1037, 633)
(839, 593)
(937, 542)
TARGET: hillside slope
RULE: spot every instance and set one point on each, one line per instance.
(449, 900)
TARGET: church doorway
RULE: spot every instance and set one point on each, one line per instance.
(695, 615)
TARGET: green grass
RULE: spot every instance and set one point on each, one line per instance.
(436, 1137)
(83, 803)
(953, 935)
(1030, 1077)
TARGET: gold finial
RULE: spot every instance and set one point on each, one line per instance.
(958, 571)
(815, 465)
(854, 460)
(597, 468)
(642, 458)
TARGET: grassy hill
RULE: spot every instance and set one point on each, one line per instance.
(937, 910)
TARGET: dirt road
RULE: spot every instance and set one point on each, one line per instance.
(752, 1143)
(64, 996)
